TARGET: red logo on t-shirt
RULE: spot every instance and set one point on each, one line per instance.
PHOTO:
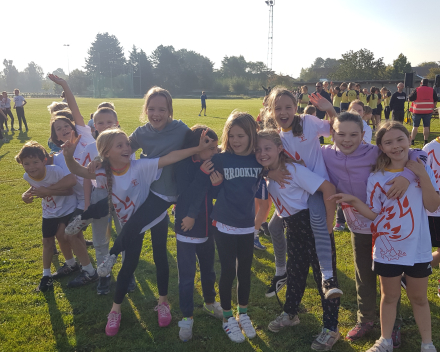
(134, 182)
(303, 138)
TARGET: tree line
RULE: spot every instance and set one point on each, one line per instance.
(107, 72)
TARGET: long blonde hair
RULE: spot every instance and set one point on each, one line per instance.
(273, 136)
(249, 126)
(104, 143)
(383, 160)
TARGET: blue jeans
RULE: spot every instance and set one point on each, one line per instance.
(425, 117)
(186, 263)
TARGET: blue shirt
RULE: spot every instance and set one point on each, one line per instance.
(203, 97)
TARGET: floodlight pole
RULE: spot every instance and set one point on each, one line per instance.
(271, 4)
(67, 46)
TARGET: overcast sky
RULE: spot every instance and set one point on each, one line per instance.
(303, 30)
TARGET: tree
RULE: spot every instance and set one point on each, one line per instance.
(11, 75)
(433, 71)
(234, 66)
(197, 70)
(318, 63)
(167, 68)
(34, 77)
(78, 81)
(143, 77)
(359, 65)
(400, 66)
(429, 64)
(331, 63)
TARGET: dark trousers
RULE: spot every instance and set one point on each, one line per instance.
(235, 253)
(398, 115)
(159, 235)
(21, 118)
(340, 217)
(301, 254)
(387, 112)
(8, 112)
(187, 256)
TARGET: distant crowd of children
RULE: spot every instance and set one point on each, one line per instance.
(387, 193)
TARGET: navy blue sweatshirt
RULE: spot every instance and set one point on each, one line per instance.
(195, 198)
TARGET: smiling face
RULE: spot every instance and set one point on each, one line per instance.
(62, 130)
(120, 151)
(395, 144)
(158, 113)
(238, 140)
(104, 120)
(347, 136)
(34, 167)
(267, 153)
(285, 111)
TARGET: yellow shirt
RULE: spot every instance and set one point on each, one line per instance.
(337, 100)
(363, 98)
(372, 103)
(352, 95)
(304, 100)
(386, 100)
(344, 97)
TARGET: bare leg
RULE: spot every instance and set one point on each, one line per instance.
(262, 209)
(390, 293)
(48, 244)
(417, 290)
(64, 243)
(435, 258)
(414, 132)
(426, 131)
(79, 248)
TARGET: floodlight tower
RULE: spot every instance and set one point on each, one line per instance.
(271, 4)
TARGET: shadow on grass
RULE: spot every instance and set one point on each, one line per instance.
(23, 137)
(56, 319)
(2, 156)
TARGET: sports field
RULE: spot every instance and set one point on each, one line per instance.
(74, 319)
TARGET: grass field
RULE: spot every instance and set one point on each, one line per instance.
(74, 319)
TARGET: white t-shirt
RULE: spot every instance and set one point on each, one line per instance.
(400, 231)
(291, 198)
(307, 147)
(130, 190)
(18, 100)
(433, 151)
(86, 139)
(231, 230)
(53, 206)
(5, 103)
(368, 132)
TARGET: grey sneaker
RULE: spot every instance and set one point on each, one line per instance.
(246, 325)
(76, 225)
(214, 310)
(105, 268)
(132, 285)
(428, 348)
(381, 346)
(83, 279)
(65, 270)
(186, 326)
(103, 285)
(325, 340)
(282, 321)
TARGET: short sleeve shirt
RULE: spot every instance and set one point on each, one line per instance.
(18, 100)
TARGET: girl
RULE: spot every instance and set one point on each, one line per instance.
(358, 107)
(386, 97)
(303, 99)
(194, 231)
(128, 183)
(344, 97)
(348, 163)
(400, 243)
(352, 94)
(234, 218)
(379, 106)
(372, 101)
(291, 205)
(362, 95)
(337, 97)
(300, 136)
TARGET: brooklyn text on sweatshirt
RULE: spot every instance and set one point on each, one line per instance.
(231, 173)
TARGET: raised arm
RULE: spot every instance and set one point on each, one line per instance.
(74, 167)
(71, 101)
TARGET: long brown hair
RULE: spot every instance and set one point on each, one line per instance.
(60, 116)
(249, 126)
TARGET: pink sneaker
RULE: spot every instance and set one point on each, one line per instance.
(113, 322)
(163, 314)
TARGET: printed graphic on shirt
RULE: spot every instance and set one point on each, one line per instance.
(355, 221)
(433, 151)
(231, 173)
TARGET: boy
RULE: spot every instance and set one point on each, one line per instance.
(57, 208)
(203, 98)
(19, 103)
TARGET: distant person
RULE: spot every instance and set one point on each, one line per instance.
(337, 97)
(63, 96)
(425, 100)
(397, 103)
(362, 94)
(310, 110)
(203, 98)
(19, 103)
(6, 108)
(3, 118)
(319, 113)
(303, 99)
(386, 97)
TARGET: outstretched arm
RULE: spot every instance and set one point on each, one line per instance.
(361, 207)
(74, 167)
(62, 188)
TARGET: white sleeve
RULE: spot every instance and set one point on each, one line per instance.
(58, 160)
(374, 195)
(86, 134)
(432, 177)
(322, 126)
(149, 169)
(368, 135)
(101, 178)
(304, 178)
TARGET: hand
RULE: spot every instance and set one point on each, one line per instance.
(27, 197)
(281, 177)
(207, 167)
(418, 167)
(40, 192)
(70, 145)
(343, 198)
(320, 103)
(56, 79)
(93, 166)
(187, 223)
(205, 141)
(399, 186)
(216, 178)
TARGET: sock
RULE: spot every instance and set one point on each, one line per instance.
(425, 346)
(327, 274)
(280, 271)
(256, 232)
(388, 341)
(46, 272)
(71, 262)
(242, 310)
(227, 314)
(89, 268)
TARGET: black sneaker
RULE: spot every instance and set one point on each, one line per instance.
(265, 229)
(65, 270)
(103, 285)
(46, 283)
(276, 285)
(330, 289)
(83, 279)
(89, 243)
(132, 284)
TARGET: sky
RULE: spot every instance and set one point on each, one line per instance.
(303, 30)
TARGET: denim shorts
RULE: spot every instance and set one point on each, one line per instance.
(425, 117)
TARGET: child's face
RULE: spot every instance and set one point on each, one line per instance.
(34, 167)
(367, 117)
(209, 152)
(120, 151)
(16, 92)
(62, 130)
(238, 140)
(5, 95)
(347, 136)
(358, 109)
(267, 153)
(365, 90)
(285, 111)
(104, 120)
(157, 112)
(395, 144)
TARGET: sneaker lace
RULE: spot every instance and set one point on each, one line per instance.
(162, 309)
(113, 320)
(323, 336)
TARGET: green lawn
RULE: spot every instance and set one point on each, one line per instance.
(74, 319)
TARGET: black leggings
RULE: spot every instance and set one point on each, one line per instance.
(20, 115)
(8, 112)
(235, 253)
(159, 235)
(387, 112)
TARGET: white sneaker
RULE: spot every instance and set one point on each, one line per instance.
(246, 325)
(186, 325)
(214, 310)
(282, 321)
(233, 331)
(105, 268)
(76, 225)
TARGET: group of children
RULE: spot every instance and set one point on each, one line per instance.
(94, 181)
(5, 112)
